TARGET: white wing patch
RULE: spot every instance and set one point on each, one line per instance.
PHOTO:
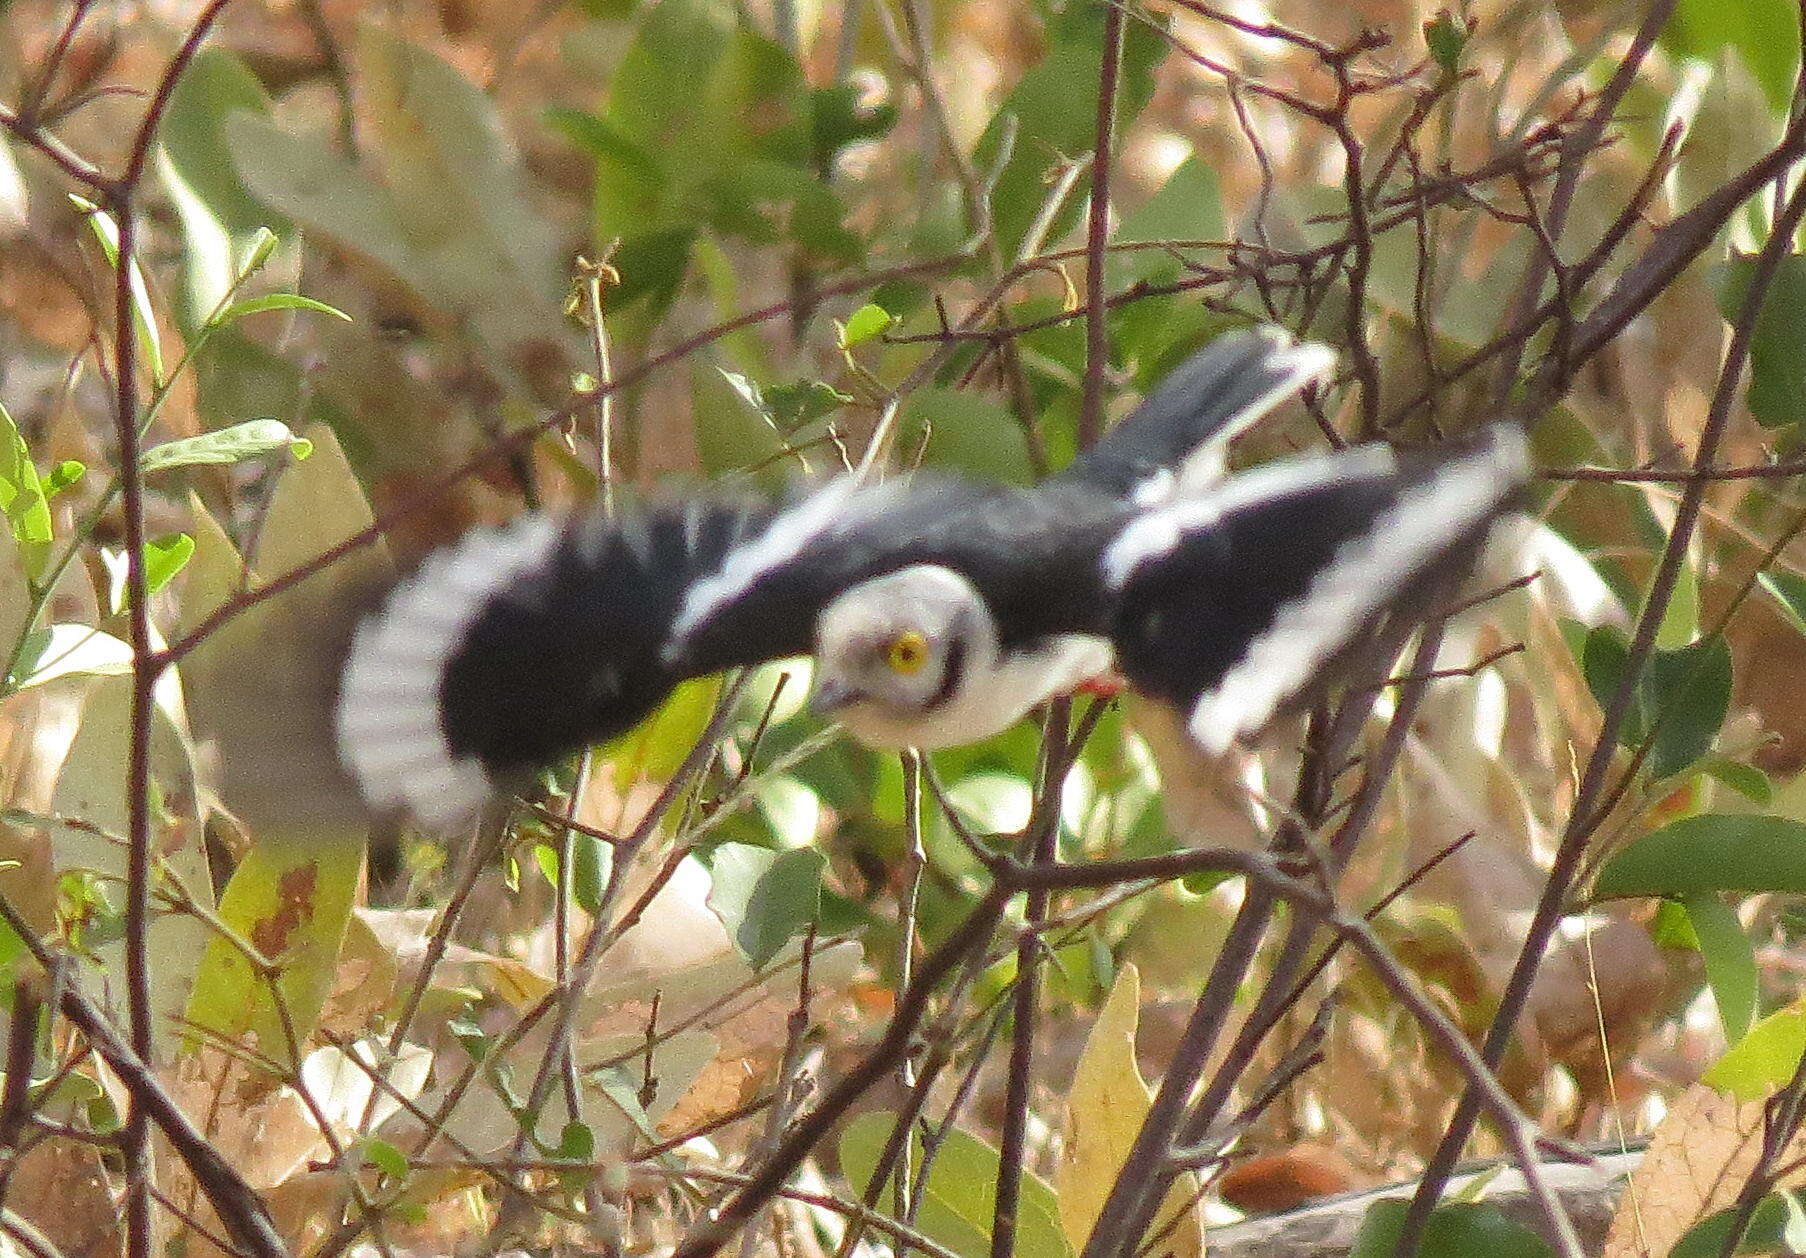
(1154, 534)
(822, 514)
(389, 733)
(1365, 574)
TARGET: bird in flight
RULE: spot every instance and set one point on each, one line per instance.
(939, 610)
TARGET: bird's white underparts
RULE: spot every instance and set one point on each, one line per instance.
(939, 610)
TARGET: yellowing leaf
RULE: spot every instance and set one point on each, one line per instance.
(1104, 1110)
(291, 902)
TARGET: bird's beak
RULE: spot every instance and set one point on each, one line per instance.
(831, 696)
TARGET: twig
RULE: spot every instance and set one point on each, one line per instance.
(1097, 235)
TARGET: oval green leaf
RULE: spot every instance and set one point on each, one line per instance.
(226, 445)
(1709, 853)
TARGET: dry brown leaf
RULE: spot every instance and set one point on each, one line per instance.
(1697, 1162)
(63, 1188)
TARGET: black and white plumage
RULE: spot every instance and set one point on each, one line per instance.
(939, 610)
(1232, 605)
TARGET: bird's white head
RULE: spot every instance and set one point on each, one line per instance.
(892, 654)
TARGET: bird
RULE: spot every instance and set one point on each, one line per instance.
(939, 609)
(1232, 605)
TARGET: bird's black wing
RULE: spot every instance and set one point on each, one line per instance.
(1236, 605)
(1030, 553)
(517, 645)
(1179, 436)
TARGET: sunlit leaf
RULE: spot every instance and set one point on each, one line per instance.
(864, 324)
(144, 316)
(164, 557)
(22, 498)
(226, 445)
(292, 902)
(276, 301)
(1105, 1107)
(71, 650)
(223, 227)
(1764, 1059)
(65, 475)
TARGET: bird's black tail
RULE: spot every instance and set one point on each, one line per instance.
(1177, 440)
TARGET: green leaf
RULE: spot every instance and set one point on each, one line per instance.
(838, 118)
(1766, 1233)
(226, 233)
(1789, 593)
(164, 557)
(576, 1143)
(864, 324)
(1054, 105)
(65, 475)
(787, 407)
(546, 857)
(1687, 690)
(276, 301)
(144, 317)
(1446, 36)
(959, 1198)
(386, 1158)
(965, 432)
(1730, 961)
(226, 445)
(764, 898)
(1777, 389)
(23, 499)
(1709, 853)
(1672, 929)
(1763, 33)
(1746, 779)
(1456, 1230)
(293, 901)
(591, 860)
(1764, 1059)
(737, 431)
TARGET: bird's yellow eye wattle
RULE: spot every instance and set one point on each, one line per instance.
(907, 652)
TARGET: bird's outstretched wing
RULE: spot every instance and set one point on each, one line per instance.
(1176, 442)
(514, 646)
(1235, 605)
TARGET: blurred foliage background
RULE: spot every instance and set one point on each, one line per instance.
(351, 279)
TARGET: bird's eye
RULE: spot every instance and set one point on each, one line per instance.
(907, 652)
